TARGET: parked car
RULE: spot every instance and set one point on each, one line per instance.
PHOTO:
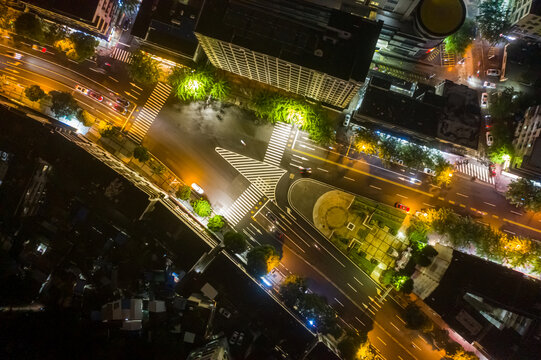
(489, 85)
(225, 313)
(429, 171)
(490, 139)
(493, 72)
(126, 25)
(484, 100)
(119, 109)
(241, 339)
(82, 89)
(278, 234)
(95, 95)
(488, 121)
(402, 207)
(122, 101)
(234, 337)
(39, 48)
(347, 119)
(271, 217)
(306, 171)
(13, 54)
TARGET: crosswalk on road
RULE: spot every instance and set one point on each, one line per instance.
(480, 172)
(122, 55)
(149, 112)
(277, 144)
(241, 207)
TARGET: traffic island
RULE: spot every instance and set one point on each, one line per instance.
(363, 229)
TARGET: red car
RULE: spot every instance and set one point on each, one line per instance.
(402, 207)
(119, 108)
(96, 96)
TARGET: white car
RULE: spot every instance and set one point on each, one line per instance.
(493, 72)
(198, 189)
(484, 100)
(347, 119)
(14, 55)
(489, 85)
(81, 89)
(490, 139)
(429, 171)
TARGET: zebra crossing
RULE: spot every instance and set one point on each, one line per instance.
(247, 200)
(149, 112)
(263, 176)
(433, 54)
(277, 144)
(480, 172)
(121, 54)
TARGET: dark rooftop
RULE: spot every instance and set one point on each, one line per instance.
(295, 31)
(80, 10)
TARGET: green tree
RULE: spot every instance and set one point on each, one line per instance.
(84, 45)
(201, 207)
(111, 131)
(235, 242)
(184, 192)
(262, 259)
(350, 344)
(216, 223)
(464, 355)
(143, 68)
(63, 104)
(85, 117)
(220, 89)
(444, 172)
(29, 25)
(523, 192)
(315, 308)
(34, 93)
(292, 289)
(387, 276)
(157, 168)
(366, 141)
(493, 19)
(141, 153)
(459, 41)
(413, 156)
(415, 319)
(54, 32)
(389, 148)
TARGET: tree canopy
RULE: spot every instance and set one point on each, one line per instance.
(216, 223)
(29, 25)
(262, 259)
(141, 153)
(143, 68)
(523, 192)
(84, 45)
(351, 345)
(85, 117)
(235, 242)
(493, 19)
(292, 289)
(459, 41)
(184, 192)
(34, 93)
(201, 207)
(63, 104)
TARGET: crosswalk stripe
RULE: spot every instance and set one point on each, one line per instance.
(243, 204)
(121, 54)
(479, 172)
(277, 144)
(149, 112)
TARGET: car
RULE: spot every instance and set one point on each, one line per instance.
(306, 171)
(39, 48)
(234, 337)
(119, 109)
(489, 85)
(493, 72)
(271, 217)
(95, 95)
(488, 121)
(490, 139)
(347, 119)
(225, 313)
(126, 25)
(198, 189)
(241, 339)
(13, 54)
(82, 89)
(429, 171)
(122, 101)
(484, 100)
(278, 234)
(402, 207)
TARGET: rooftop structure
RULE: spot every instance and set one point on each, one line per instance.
(530, 25)
(310, 50)
(96, 17)
(217, 349)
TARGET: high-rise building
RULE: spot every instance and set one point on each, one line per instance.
(314, 51)
(96, 17)
(217, 349)
(518, 9)
(527, 131)
(530, 25)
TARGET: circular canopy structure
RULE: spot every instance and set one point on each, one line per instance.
(440, 18)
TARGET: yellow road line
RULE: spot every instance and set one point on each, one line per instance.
(462, 205)
(451, 202)
(495, 216)
(363, 172)
(522, 225)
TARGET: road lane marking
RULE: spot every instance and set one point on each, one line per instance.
(373, 313)
(307, 147)
(359, 281)
(363, 173)
(515, 212)
(510, 232)
(132, 84)
(462, 205)
(381, 340)
(522, 225)
(399, 357)
(378, 188)
(451, 202)
(112, 78)
(420, 337)
(415, 345)
(345, 177)
(393, 325)
(429, 205)
(256, 229)
(352, 287)
(460, 194)
(480, 222)
(320, 169)
(399, 318)
(294, 243)
(359, 320)
(489, 204)
(495, 216)
(300, 157)
(338, 301)
(440, 198)
(402, 196)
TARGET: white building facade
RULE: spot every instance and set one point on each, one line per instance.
(527, 131)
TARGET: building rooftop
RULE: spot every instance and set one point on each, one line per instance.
(319, 38)
(80, 10)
